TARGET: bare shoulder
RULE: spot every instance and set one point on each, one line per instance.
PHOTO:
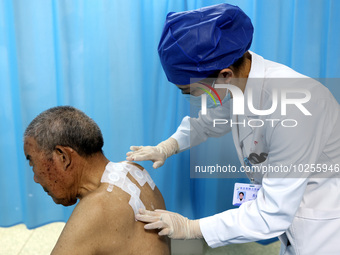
(134, 164)
(98, 219)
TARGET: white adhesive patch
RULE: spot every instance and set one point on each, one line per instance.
(148, 179)
(120, 167)
(116, 175)
(127, 164)
(136, 173)
(110, 188)
(113, 177)
(136, 204)
(130, 188)
(138, 176)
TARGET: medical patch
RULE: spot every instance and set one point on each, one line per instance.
(140, 176)
(115, 174)
(148, 179)
(136, 204)
(136, 173)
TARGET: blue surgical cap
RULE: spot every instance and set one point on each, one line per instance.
(196, 44)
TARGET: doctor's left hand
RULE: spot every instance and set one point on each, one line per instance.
(171, 224)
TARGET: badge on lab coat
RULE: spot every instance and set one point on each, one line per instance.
(244, 192)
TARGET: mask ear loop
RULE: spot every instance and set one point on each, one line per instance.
(228, 91)
(213, 86)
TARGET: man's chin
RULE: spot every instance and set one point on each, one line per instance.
(64, 202)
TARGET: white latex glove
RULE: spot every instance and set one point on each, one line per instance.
(171, 224)
(157, 154)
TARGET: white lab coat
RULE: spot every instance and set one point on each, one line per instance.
(304, 211)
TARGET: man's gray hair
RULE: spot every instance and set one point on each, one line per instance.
(66, 126)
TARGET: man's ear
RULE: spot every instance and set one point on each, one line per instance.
(63, 156)
(225, 76)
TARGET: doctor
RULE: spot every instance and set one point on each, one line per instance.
(290, 123)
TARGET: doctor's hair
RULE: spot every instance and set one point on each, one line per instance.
(236, 67)
(66, 126)
(240, 63)
(241, 193)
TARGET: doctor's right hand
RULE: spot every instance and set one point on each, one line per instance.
(157, 154)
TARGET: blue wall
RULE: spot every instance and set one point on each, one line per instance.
(101, 57)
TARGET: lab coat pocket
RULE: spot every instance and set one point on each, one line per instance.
(313, 231)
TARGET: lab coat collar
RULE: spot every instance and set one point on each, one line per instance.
(240, 131)
(236, 135)
(254, 83)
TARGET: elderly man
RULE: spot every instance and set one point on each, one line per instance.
(64, 147)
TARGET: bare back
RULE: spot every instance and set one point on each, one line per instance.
(104, 223)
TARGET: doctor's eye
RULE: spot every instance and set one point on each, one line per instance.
(185, 92)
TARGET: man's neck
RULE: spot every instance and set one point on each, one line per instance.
(91, 173)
